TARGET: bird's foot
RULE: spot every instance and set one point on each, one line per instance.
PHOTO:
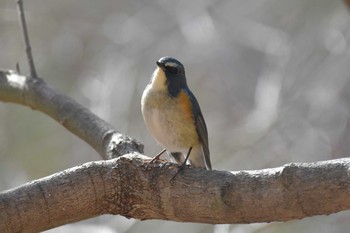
(179, 170)
(183, 165)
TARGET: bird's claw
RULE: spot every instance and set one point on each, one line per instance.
(180, 169)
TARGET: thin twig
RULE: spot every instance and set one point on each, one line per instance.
(26, 39)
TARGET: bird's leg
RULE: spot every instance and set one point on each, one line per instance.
(156, 157)
(183, 165)
(188, 155)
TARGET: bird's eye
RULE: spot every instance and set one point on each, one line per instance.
(172, 69)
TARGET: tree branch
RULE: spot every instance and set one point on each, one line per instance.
(125, 187)
(22, 18)
(37, 94)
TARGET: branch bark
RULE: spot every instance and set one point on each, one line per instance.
(124, 186)
(37, 94)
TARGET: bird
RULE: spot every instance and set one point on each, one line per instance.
(173, 117)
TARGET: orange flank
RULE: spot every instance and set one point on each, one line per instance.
(185, 104)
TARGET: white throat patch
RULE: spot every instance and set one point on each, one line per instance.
(158, 79)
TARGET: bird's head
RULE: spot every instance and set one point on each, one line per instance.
(169, 75)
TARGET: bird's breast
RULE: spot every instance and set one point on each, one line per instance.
(169, 119)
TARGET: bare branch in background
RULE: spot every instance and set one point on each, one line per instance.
(37, 94)
(23, 22)
(74, 117)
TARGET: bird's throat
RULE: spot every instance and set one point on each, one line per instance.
(159, 80)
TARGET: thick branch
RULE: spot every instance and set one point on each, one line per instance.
(124, 186)
(38, 95)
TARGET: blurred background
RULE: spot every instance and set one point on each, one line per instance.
(271, 76)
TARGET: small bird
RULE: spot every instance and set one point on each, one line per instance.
(173, 116)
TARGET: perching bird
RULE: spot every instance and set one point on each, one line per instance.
(173, 116)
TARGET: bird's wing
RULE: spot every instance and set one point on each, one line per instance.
(201, 128)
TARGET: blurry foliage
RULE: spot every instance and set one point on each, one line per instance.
(271, 76)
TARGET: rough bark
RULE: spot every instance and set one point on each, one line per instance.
(125, 186)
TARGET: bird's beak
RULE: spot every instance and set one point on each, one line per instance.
(160, 65)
